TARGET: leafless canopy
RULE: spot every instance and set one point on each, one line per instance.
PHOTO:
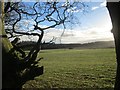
(40, 15)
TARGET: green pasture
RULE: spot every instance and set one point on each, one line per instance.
(72, 68)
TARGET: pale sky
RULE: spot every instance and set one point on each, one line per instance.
(95, 25)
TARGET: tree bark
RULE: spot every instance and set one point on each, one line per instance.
(114, 10)
(15, 70)
(9, 57)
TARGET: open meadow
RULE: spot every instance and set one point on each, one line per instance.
(72, 68)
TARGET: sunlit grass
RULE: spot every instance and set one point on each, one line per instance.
(85, 68)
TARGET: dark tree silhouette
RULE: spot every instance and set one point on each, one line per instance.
(114, 9)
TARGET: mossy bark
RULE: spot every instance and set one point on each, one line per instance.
(9, 57)
(15, 70)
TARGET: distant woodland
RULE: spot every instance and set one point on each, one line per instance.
(101, 44)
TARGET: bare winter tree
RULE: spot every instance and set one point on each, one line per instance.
(21, 67)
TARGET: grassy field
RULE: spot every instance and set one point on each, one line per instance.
(84, 68)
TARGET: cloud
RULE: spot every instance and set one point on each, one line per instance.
(80, 36)
(75, 9)
(103, 4)
(91, 35)
(94, 8)
(28, 38)
(77, 35)
(74, 36)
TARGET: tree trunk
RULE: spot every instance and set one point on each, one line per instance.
(9, 57)
(15, 70)
(114, 9)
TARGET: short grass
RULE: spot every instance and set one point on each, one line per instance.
(84, 68)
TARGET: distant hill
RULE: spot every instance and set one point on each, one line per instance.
(100, 44)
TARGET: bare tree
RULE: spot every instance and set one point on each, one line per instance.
(19, 69)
